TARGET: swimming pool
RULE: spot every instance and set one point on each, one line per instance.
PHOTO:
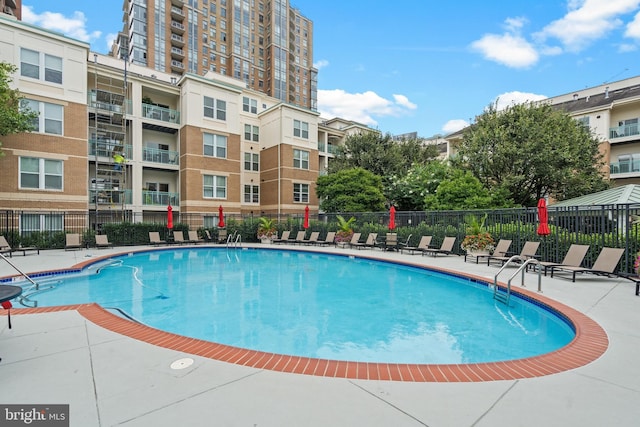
(315, 305)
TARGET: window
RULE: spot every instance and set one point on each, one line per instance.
(49, 118)
(43, 174)
(215, 108)
(301, 193)
(251, 162)
(249, 105)
(215, 145)
(251, 133)
(251, 194)
(30, 66)
(214, 187)
(37, 223)
(300, 159)
(301, 129)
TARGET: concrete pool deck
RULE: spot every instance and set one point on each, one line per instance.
(61, 357)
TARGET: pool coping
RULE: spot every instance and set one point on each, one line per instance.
(589, 343)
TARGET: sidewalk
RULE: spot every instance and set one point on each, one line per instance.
(109, 379)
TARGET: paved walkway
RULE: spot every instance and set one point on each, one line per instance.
(112, 380)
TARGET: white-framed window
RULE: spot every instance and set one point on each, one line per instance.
(214, 187)
(42, 174)
(251, 133)
(249, 105)
(49, 119)
(37, 223)
(252, 194)
(215, 108)
(252, 162)
(301, 129)
(300, 159)
(301, 193)
(41, 66)
(215, 145)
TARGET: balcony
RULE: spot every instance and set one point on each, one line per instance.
(177, 65)
(177, 40)
(160, 113)
(624, 131)
(321, 147)
(626, 169)
(332, 149)
(177, 27)
(110, 197)
(177, 53)
(157, 155)
(160, 198)
(104, 148)
(177, 13)
(177, 3)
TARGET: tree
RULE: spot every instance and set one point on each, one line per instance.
(531, 151)
(14, 118)
(408, 192)
(350, 190)
(462, 190)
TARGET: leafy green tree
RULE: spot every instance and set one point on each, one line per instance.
(13, 118)
(350, 190)
(408, 192)
(462, 190)
(533, 150)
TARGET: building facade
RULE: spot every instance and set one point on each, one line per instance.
(11, 8)
(266, 46)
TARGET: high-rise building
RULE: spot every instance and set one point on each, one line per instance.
(268, 45)
(12, 8)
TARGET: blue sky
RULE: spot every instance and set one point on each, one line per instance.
(429, 66)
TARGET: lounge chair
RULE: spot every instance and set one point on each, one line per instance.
(313, 238)
(446, 248)
(222, 236)
(390, 242)
(284, 238)
(501, 249)
(154, 238)
(402, 245)
(5, 248)
(573, 258)
(300, 237)
(330, 239)
(72, 241)
(194, 238)
(605, 264)
(369, 243)
(355, 238)
(178, 237)
(528, 251)
(102, 241)
(425, 241)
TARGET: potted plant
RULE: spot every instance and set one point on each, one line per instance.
(478, 240)
(266, 230)
(345, 229)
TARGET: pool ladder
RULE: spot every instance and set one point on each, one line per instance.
(36, 285)
(505, 295)
(234, 239)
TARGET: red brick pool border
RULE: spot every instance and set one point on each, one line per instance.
(589, 343)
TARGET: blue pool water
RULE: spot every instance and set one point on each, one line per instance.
(314, 305)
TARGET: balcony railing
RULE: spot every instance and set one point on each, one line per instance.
(157, 155)
(623, 131)
(110, 196)
(104, 148)
(632, 166)
(332, 149)
(321, 146)
(160, 198)
(160, 113)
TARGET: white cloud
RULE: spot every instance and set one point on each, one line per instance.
(509, 48)
(74, 27)
(110, 38)
(633, 28)
(512, 98)
(454, 126)
(587, 21)
(361, 107)
(321, 64)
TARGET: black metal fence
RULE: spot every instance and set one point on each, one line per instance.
(597, 226)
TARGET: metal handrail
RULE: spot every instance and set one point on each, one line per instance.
(25, 275)
(521, 270)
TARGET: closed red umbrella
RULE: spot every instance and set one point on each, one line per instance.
(392, 218)
(169, 217)
(543, 217)
(221, 215)
(306, 217)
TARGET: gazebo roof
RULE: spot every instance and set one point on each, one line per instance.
(629, 193)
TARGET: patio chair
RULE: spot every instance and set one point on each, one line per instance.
(194, 238)
(154, 238)
(405, 244)
(207, 236)
(528, 251)
(445, 249)
(605, 264)
(5, 248)
(73, 241)
(424, 243)
(573, 258)
(284, 238)
(355, 238)
(502, 248)
(369, 243)
(390, 242)
(222, 236)
(178, 237)
(330, 239)
(313, 238)
(300, 237)
(102, 241)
